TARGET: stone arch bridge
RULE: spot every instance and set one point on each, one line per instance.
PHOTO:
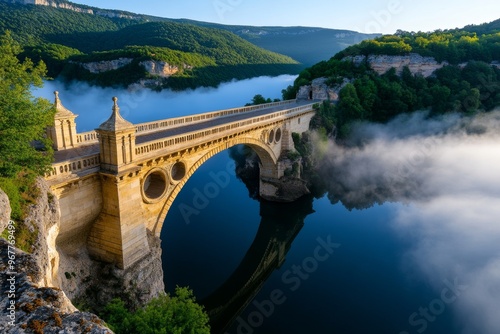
(118, 182)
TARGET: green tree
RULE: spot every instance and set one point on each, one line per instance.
(23, 118)
(350, 107)
(165, 314)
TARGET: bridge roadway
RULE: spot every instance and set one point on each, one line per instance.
(61, 156)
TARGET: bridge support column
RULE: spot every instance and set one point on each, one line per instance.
(119, 233)
(281, 182)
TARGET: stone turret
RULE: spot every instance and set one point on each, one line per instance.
(63, 132)
(117, 141)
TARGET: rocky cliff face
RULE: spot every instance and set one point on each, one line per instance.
(46, 278)
(161, 68)
(425, 66)
(319, 90)
(29, 301)
(106, 65)
(73, 7)
(155, 68)
(417, 64)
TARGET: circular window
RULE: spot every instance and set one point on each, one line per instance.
(155, 185)
(277, 136)
(270, 139)
(178, 171)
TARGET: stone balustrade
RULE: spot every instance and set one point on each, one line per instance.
(87, 138)
(72, 166)
(91, 137)
(89, 162)
(176, 143)
(149, 127)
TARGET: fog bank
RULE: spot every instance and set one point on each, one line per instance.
(93, 104)
(447, 172)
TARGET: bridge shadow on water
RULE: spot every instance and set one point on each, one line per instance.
(280, 224)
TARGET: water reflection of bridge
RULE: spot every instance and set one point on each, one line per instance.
(279, 226)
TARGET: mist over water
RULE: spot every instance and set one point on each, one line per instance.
(447, 171)
(93, 104)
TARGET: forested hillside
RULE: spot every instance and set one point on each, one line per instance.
(206, 56)
(469, 82)
(307, 45)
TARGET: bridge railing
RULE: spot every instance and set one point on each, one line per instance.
(155, 126)
(193, 138)
(87, 138)
(73, 166)
(91, 137)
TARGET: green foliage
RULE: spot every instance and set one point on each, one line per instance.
(23, 118)
(464, 88)
(454, 46)
(164, 314)
(259, 99)
(205, 56)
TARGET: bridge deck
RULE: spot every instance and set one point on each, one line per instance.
(81, 151)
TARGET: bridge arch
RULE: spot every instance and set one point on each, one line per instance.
(268, 161)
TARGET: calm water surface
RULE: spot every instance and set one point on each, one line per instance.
(422, 256)
(363, 286)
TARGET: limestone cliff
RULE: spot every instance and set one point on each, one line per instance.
(74, 7)
(161, 68)
(319, 90)
(27, 288)
(417, 64)
(106, 65)
(52, 273)
(425, 66)
(157, 70)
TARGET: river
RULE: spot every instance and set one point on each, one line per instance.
(404, 239)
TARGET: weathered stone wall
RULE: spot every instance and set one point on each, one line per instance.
(417, 64)
(40, 304)
(80, 205)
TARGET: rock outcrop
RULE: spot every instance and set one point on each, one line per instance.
(49, 275)
(286, 189)
(27, 307)
(75, 7)
(319, 90)
(161, 68)
(417, 64)
(29, 301)
(43, 219)
(94, 284)
(5, 211)
(106, 65)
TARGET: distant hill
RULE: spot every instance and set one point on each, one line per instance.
(64, 35)
(307, 45)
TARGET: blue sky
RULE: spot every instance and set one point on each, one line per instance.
(384, 16)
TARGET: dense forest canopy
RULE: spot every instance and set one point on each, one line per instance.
(470, 82)
(454, 46)
(62, 37)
